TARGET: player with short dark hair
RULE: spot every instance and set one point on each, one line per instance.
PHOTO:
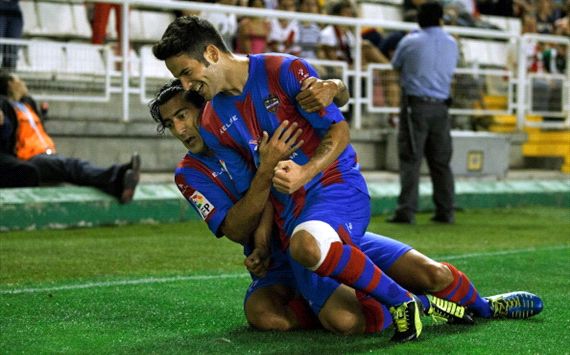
(270, 301)
(319, 196)
(320, 199)
(207, 185)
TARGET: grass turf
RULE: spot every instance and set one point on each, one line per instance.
(501, 250)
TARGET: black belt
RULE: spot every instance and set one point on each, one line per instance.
(428, 99)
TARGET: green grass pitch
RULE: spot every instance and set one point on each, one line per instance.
(175, 289)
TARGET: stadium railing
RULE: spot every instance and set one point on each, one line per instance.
(483, 70)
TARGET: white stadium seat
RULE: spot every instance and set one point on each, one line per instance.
(56, 19)
(152, 67)
(84, 59)
(81, 23)
(156, 23)
(381, 12)
(31, 22)
(45, 56)
(136, 25)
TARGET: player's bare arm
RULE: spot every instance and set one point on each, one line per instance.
(244, 217)
(258, 261)
(290, 176)
(317, 94)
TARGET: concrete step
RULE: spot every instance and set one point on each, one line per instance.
(71, 206)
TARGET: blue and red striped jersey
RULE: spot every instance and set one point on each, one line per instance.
(206, 184)
(232, 127)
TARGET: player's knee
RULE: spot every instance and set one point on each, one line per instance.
(311, 241)
(304, 248)
(344, 323)
(439, 276)
(268, 320)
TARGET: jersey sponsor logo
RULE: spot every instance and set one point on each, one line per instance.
(223, 163)
(218, 173)
(271, 103)
(254, 143)
(202, 204)
(302, 74)
(227, 125)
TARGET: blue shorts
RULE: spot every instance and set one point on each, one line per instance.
(383, 251)
(342, 206)
(279, 273)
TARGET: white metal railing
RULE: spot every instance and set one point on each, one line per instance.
(521, 79)
(48, 64)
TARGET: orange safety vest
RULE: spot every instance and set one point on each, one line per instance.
(31, 138)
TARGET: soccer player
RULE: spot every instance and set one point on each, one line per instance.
(321, 201)
(269, 302)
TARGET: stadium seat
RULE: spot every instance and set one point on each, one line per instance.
(81, 23)
(55, 19)
(152, 67)
(84, 59)
(136, 26)
(497, 54)
(111, 26)
(511, 25)
(31, 21)
(380, 12)
(45, 56)
(159, 21)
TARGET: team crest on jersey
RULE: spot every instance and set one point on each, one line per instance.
(271, 103)
(202, 204)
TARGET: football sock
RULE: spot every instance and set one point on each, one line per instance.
(462, 291)
(352, 267)
(425, 302)
(303, 314)
(376, 315)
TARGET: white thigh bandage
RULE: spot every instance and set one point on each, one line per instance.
(323, 233)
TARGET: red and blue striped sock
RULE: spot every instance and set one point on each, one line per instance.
(352, 267)
(376, 315)
(462, 291)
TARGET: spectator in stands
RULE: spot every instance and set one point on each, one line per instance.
(496, 7)
(225, 23)
(308, 34)
(101, 12)
(426, 60)
(253, 32)
(282, 34)
(410, 10)
(11, 25)
(338, 41)
(545, 17)
(28, 155)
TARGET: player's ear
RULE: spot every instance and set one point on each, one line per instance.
(212, 54)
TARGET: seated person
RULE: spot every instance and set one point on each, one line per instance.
(28, 156)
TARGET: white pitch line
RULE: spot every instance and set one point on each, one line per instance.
(153, 280)
(499, 253)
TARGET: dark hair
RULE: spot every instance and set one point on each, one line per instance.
(5, 77)
(167, 93)
(336, 7)
(430, 14)
(190, 35)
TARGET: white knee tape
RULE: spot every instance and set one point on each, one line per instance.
(323, 233)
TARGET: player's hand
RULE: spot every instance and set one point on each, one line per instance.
(1, 118)
(289, 177)
(316, 94)
(257, 262)
(281, 145)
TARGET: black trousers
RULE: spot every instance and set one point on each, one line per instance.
(425, 131)
(44, 168)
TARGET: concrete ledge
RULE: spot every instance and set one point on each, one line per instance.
(71, 206)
